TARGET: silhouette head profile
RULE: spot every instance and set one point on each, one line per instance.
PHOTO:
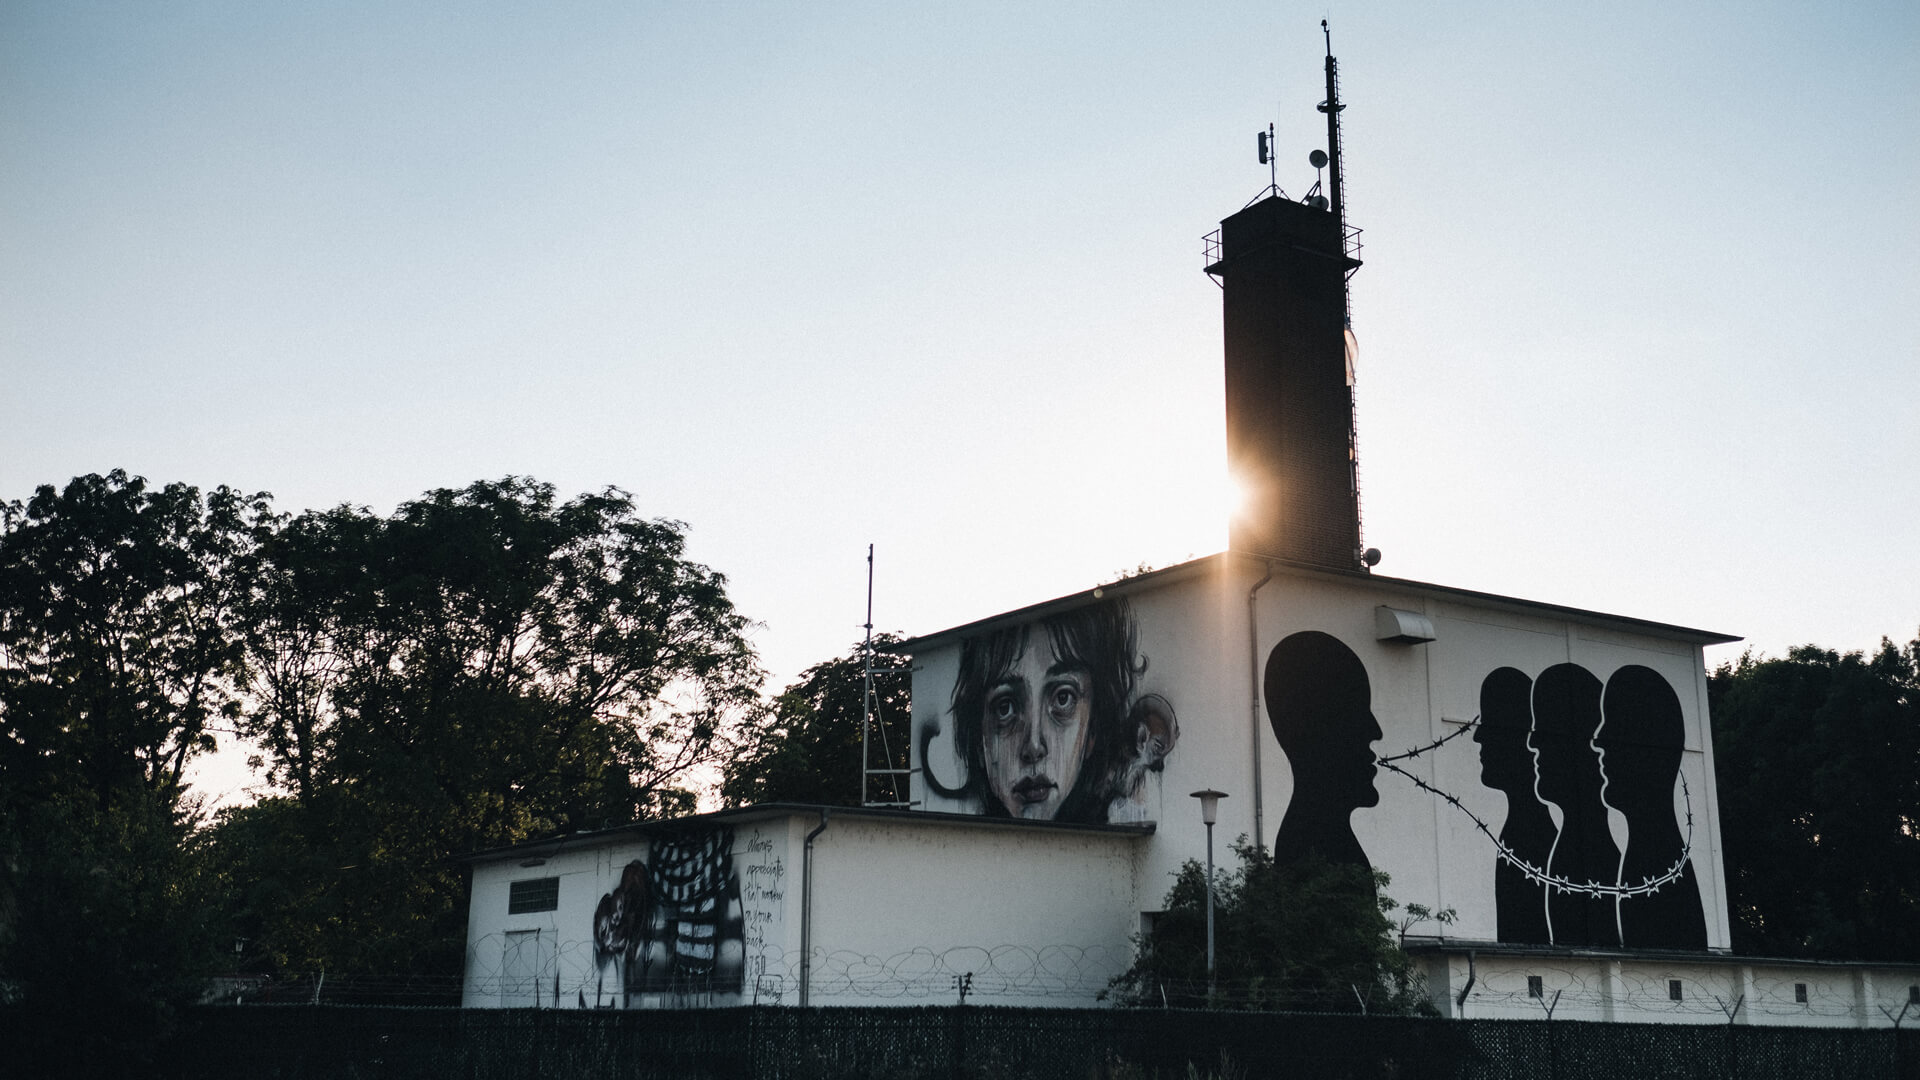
(1320, 705)
(1642, 737)
(1566, 713)
(1506, 718)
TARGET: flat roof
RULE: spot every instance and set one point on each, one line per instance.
(762, 811)
(1169, 575)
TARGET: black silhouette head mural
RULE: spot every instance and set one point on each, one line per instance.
(1047, 720)
(1321, 707)
(1567, 882)
(1506, 765)
(1566, 716)
(1640, 743)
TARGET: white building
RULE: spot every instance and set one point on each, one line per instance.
(1546, 773)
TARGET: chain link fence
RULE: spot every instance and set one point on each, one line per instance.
(287, 1042)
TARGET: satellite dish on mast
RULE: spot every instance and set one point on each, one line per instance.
(1317, 159)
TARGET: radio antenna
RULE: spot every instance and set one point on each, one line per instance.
(1332, 108)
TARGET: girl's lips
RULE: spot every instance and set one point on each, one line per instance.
(1033, 789)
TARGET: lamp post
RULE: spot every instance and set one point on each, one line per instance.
(1210, 813)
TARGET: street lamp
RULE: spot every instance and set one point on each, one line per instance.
(1210, 813)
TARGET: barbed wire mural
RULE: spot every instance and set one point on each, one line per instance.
(1563, 740)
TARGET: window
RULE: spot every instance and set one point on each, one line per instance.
(1673, 989)
(1913, 995)
(1800, 993)
(1536, 987)
(537, 894)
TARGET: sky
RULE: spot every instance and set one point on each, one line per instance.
(1637, 321)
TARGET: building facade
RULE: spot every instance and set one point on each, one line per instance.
(1544, 773)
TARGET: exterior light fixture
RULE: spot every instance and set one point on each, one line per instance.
(1210, 813)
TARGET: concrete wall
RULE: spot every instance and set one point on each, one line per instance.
(1641, 990)
(1038, 917)
(905, 911)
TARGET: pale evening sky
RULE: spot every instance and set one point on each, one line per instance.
(1637, 319)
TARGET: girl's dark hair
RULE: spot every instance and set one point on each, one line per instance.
(1101, 639)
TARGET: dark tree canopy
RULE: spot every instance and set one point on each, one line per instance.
(1309, 935)
(119, 632)
(809, 750)
(120, 652)
(484, 666)
(1818, 758)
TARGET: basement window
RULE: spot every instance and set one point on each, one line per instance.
(536, 894)
(1673, 989)
(1800, 993)
(1536, 987)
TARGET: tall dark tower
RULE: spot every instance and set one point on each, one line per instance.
(1283, 268)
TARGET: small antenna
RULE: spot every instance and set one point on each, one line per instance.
(1270, 157)
(1332, 108)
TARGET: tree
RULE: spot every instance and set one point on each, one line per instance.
(487, 665)
(809, 752)
(119, 651)
(119, 637)
(1308, 936)
(1818, 759)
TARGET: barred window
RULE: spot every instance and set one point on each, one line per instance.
(1536, 987)
(1673, 989)
(1800, 993)
(536, 894)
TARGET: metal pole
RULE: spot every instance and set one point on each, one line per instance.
(1210, 974)
(866, 689)
(1209, 813)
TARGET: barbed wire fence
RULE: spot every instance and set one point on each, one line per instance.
(1054, 976)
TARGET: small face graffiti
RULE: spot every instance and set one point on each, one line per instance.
(1034, 732)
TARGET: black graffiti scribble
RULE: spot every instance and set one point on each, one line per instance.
(674, 923)
(1320, 705)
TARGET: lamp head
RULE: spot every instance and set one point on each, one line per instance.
(1209, 804)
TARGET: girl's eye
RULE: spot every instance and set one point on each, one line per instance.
(1064, 699)
(1001, 709)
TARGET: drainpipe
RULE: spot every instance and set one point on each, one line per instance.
(806, 908)
(1253, 679)
(1460, 1002)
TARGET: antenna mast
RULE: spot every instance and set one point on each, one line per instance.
(886, 777)
(1332, 108)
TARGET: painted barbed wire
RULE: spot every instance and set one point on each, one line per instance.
(922, 972)
(1646, 887)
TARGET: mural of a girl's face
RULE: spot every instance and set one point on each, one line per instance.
(1034, 732)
